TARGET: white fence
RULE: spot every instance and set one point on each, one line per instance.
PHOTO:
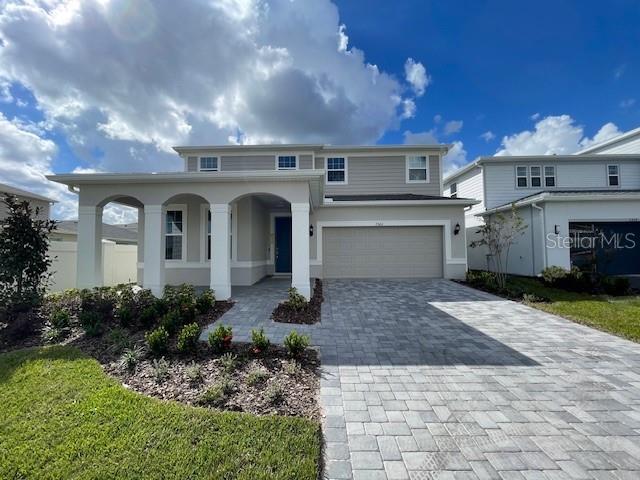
(118, 264)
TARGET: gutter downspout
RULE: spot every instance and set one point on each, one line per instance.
(544, 230)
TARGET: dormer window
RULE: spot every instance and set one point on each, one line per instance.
(287, 162)
(613, 175)
(454, 190)
(208, 164)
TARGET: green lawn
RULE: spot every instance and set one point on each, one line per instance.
(617, 315)
(62, 417)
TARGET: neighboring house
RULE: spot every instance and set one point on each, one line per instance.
(239, 213)
(42, 204)
(67, 231)
(581, 210)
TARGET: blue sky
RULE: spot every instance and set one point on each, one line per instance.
(495, 63)
(111, 85)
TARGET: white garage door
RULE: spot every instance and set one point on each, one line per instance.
(382, 252)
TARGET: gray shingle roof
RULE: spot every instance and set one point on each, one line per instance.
(109, 232)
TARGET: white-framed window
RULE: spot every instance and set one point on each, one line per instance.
(175, 232)
(549, 176)
(336, 170)
(613, 175)
(453, 189)
(208, 164)
(286, 162)
(417, 169)
(522, 176)
(535, 176)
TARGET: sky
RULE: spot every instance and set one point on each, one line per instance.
(112, 85)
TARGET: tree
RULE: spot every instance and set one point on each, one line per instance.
(498, 234)
(24, 256)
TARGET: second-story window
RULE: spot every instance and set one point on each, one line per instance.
(287, 162)
(417, 171)
(522, 179)
(549, 176)
(454, 190)
(208, 164)
(613, 175)
(536, 176)
(336, 170)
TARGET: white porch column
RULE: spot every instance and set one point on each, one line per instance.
(300, 248)
(220, 249)
(153, 273)
(89, 259)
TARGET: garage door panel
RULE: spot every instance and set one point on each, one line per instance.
(382, 252)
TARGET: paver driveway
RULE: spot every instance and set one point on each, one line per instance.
(428, 379)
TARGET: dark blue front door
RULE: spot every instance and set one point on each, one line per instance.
(283, 244)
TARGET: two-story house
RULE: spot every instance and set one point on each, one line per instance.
(239, 213)
(41, 205)
(580, 210)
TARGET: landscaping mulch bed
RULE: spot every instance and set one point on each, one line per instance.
(284, 386)
(308, 315)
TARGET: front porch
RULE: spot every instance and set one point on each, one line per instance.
(212, 232)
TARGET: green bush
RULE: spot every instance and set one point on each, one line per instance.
(51, 334)
(124, 314)
(148, 316)
(259, 340)
(205, 301)
(220, 338)
(99, 300)
(60, 319)
(615, 286)
(193, 372)
(130, 358)
(296, 300)
(171, 322)
(179, 296)
(120, 339)
(533, 298)
(553, 274)
(482, 279)
(91, 322)
(296, 343)
(229, 362)
(274, 394)
(160, 368)
(256, 376)
(188, 337)
(158, 340)
(217, 393)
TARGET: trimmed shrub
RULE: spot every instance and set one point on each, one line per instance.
(220, 338)
(205, 301)
(99, 301)
(296, 343)
(91, 322)
(615, 286)
(296, 300)
(124, 314)
(259, 340)
(482, 279)
(60, 319)
(158, 340)
(171, 322)
(217, 393)
(179, 296)
(148, 316)
(193, 372)
(553, 274)
(188, 337)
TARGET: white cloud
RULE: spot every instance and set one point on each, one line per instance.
(453, 126)
(535, 116)
(627, 102)
(416, 76)
(437, 118)
(619, 71)
(123, 79)
(554, 135)
(488, 136)
(409, 108)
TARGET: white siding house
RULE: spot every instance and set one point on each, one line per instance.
(595, 192)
